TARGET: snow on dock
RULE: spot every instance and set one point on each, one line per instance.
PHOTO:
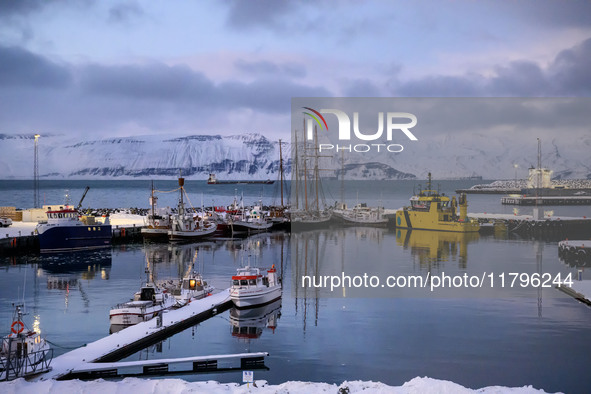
(580, 290)
(131, 339)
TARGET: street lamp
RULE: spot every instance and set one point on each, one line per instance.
(515, 166)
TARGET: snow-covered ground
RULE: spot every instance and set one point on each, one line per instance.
(134, 385)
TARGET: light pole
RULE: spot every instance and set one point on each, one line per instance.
(515, 166)
(36, 172)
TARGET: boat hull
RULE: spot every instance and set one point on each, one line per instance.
(134, 315)
(426, 221)
(174, 235)
(247, 227)
(74, 237)
(154, 233)
(249, 298)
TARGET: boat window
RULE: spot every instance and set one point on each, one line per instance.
(244, 282)
(192, 284)
(252, 282)
(421, 205)
(444, 204)
(235, 282)
(89, 229)
(147, 294)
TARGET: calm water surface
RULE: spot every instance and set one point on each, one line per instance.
(511, 337)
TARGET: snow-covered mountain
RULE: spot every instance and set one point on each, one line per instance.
(253, 156)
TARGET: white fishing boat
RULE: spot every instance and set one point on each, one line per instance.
(23, 352)
(146, 304)
(251, 288)
(362, 215)
(158, 221)
(186, 226)
(253, 222)
(191, 287)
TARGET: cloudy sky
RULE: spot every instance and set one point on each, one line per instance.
(118, 68)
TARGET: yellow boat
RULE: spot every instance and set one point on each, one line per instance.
(430, 210)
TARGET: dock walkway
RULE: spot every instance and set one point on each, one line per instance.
(134, 338)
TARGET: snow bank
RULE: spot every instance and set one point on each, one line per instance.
(126, 219)
(134, 385)
(25, 228)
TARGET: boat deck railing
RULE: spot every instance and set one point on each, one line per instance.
(14, 366)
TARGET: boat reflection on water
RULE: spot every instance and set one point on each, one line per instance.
(86, 264)
(431, 247)
(250, 323)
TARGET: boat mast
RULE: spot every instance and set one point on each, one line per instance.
(296, 172)
(181, 186)
(281, 171)
(305, 169)
(152, 202)
(316, 167)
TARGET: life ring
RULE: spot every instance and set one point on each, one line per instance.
(17, 323)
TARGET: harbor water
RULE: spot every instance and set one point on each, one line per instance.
(479, 337)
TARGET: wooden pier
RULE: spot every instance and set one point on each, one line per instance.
(132, 339)
(176, 366)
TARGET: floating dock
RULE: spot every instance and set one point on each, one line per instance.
(132, 339)
(546, 200)
(580, 290)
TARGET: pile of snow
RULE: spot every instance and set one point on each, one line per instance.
(135, 385)
(126, 219)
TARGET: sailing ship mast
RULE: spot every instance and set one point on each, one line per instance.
(281, 171)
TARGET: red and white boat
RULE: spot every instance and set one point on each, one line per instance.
(251, 288)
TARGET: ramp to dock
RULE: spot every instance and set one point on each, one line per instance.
(132, 339)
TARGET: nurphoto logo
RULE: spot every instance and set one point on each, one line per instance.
(395, 121)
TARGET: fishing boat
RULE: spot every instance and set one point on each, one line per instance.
(65, 229)
(23, 352)
(146, 304)
(185, 226)
(158, 220)
(212, 180)
(251, 288)
(430, 210)
(191, 287)
(362, 215)
(253, 222)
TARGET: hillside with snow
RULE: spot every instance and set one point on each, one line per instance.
(253, 156)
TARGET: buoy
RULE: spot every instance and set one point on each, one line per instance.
(18, 323)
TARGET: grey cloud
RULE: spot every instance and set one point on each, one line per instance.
(269, 68)
(124, 12)
(362, 88)
(146, 82)
(572, 69)
(20, 68)
(568, 74)
(254, 13)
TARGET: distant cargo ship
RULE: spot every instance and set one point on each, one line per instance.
(213, 181)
